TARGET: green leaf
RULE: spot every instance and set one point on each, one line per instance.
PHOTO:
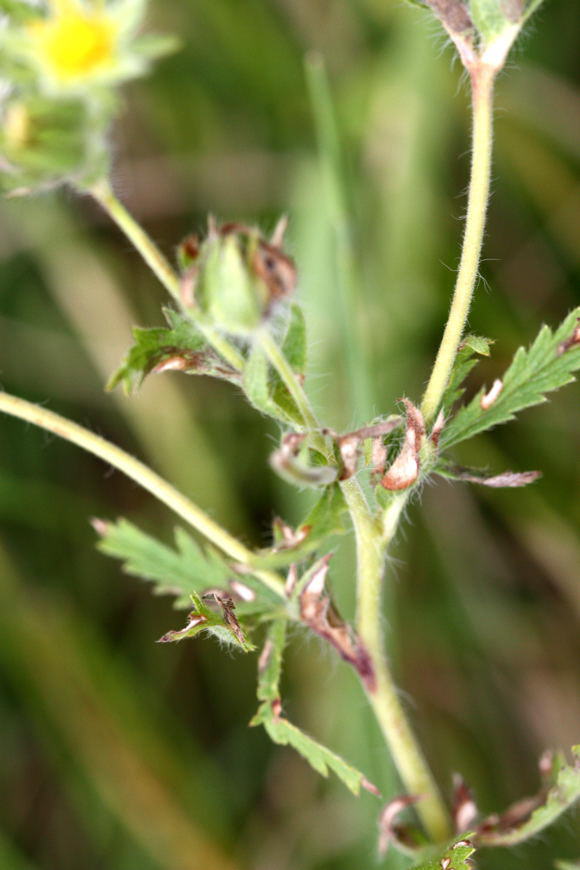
(323, 520)
(182, 571)
(567, 865)
(294, 344)
(547, 365)
(281, 731)
(221, 621)
(264, 393)
(180, 347)
(457, 857)
(471, 347)
(270, 666)
(563, 793)
(319, 757)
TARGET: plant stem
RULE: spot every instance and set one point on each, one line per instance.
(142, 475)
(482, 81)
(103, 193)
(372, 541)
(284, 369)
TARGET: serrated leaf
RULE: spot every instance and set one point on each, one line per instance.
(180, 572)
(547, 365)
(283, 732)
(180, 347)
(323, 760)
(455, 857)
(471, 347)
(559, 797)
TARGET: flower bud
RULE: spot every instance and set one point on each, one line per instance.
(45, 142)
(234, 277)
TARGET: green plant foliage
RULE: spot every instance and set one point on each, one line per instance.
(471, 347)
(283, 732)
(455, 857)
(561, 794)
(180, 572)
(547, 365)
(324, 520)
(220, 621)
(181, 347)
(265, 391)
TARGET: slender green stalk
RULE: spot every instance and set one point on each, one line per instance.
(142, 475)
(284, 369)
(371, 545)
(482, 81)
(103, 193)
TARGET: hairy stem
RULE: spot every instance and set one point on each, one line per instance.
(482, 81)
(103, 193)
(142, 475)
(372, 541)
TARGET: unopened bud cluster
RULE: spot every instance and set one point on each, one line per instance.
(233, 278)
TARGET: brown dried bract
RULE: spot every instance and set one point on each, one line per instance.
(390, 831)
(509, 479)
(318, 613)
(405, 469)
(464, 809)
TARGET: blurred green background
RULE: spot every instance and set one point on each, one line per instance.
(122, 754)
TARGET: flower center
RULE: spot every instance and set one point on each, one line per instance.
(73, 44)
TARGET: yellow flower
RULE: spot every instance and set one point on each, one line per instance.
(74, 42)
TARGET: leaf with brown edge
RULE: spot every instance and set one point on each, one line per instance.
(507, 479)
(181, 347)
(528, 817)
(221, 622)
